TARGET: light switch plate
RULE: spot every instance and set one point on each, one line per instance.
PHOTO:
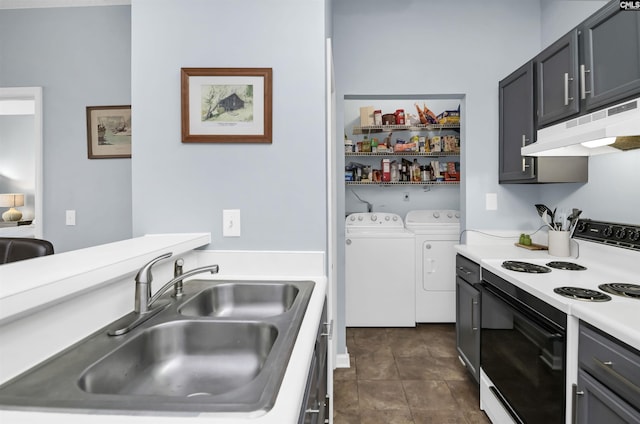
(70, 217)
(231, 223)
(491, 201)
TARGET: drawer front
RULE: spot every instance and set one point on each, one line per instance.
(614, 364)
(467, 270)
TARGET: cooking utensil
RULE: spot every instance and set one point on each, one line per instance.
(573, 220)
(545, 219)
(541, 209)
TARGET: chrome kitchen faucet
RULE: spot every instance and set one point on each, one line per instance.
(143, 299)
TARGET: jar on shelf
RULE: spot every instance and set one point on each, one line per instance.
(424, 173)
(377, 117)
(399, 117)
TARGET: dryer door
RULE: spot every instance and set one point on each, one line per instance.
(438, 266)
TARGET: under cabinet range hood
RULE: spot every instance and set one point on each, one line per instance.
(609, 130)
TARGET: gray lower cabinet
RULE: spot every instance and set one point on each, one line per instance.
(598, 405)
(315, 407)
(468, 314)
(608, 389)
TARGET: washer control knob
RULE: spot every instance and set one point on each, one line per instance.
(436, 214)
(634, 235)
(395, 218)
(352, 218)
(427, 246)
(374, 218)
(581, 227)
(457, 214)
(621, 233)
(449, 215)
(607, 231)
(386, 218)
(360, 218)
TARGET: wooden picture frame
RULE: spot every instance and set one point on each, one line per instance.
(226, 105)
(109, 132)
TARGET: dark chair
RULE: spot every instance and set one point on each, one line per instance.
(14, 249)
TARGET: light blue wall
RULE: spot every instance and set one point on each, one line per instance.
(81, 57)
(436, 47)
(560, 16)
(280, 187)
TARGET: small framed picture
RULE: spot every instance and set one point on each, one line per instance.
(109, 132)
(226, 105)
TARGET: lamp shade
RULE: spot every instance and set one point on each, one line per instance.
(11, 200)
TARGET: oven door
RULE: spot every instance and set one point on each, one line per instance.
(523, 354)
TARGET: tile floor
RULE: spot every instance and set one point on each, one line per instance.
(405, 376)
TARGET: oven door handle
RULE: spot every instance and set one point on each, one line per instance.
(546, 330)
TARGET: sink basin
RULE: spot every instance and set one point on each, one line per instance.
(183, 358)
(242, 300)
(222, 347)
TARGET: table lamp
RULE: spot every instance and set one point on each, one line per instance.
(11, 200)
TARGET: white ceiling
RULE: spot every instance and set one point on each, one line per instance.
(29, 4)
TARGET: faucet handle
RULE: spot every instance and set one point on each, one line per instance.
(144, 274)
(177, 267)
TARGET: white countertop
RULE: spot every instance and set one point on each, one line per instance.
(31, 289)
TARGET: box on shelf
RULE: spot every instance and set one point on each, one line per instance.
(449, 117)
(366, 116)
(386, 170)
(453, 171)
(451, 143)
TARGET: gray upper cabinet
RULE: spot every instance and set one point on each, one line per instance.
(517, 127)
(593, 66)
(610, 66)
(557, 82)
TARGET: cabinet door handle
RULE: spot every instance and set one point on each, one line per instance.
(583, 82)
(574, 408)
(473, 325)
(525, 165)
(464, 270)
(328, 329)
(566, 89)
(607, 366)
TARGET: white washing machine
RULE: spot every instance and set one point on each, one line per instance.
(379, 271)
(436, 232)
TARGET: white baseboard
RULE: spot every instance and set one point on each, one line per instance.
(342, 360)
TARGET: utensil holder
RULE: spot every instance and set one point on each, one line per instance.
(559, 243)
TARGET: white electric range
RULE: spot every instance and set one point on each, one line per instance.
(606, 260)
(529, 330)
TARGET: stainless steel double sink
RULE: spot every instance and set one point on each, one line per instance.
(222, 347)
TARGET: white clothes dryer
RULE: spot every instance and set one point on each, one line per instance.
(436, 232)
(379, 271)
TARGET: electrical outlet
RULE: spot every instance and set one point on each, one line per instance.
(406, 196)
(231, 223)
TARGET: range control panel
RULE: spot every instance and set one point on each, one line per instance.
(620, 235)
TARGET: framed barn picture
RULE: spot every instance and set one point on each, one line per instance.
(226, 105)
(109, 132)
